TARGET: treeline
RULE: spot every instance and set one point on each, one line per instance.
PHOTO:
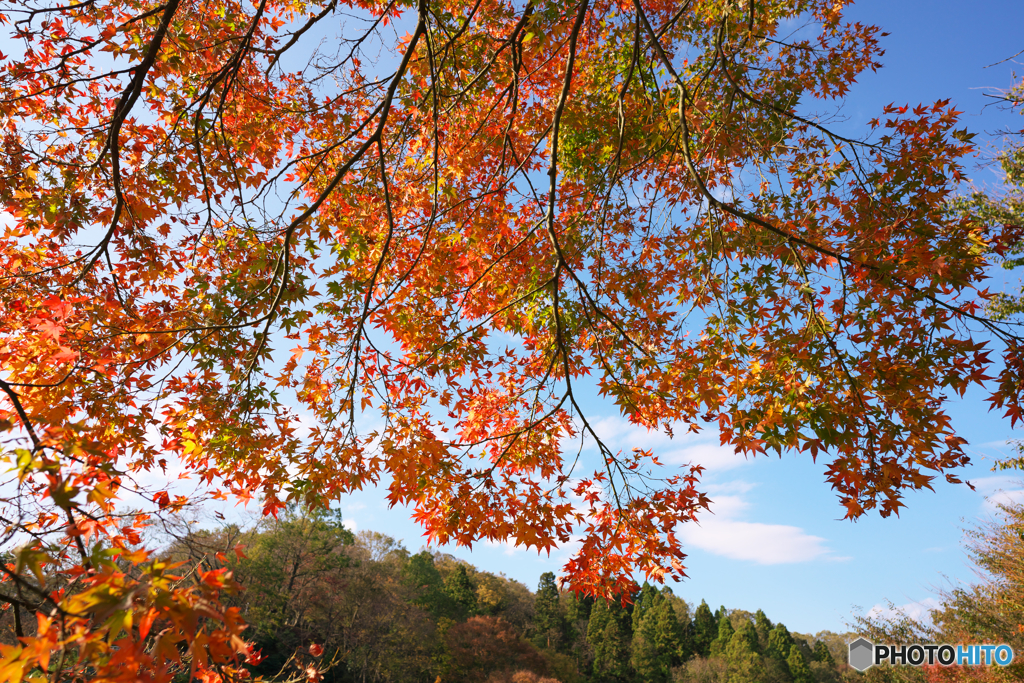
(324, 602)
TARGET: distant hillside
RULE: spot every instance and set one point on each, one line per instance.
(335, 606)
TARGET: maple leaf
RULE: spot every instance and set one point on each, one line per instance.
(423, 272)
(49, 328)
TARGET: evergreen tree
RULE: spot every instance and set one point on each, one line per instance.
(578, 607)
(643, 603)
(779, 643)
(749, 633)
(549, 626)
(763, 626)
(576, 615)
(745, 665)
(658, 641)
(686, 648)
(649, 660)
(705, 629)
(681, 617)
(608, 637)
(460, 590)
(798, 666)
(823, 654)
(725, 634)
(422, 576)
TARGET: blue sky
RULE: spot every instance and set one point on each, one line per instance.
(776, 540)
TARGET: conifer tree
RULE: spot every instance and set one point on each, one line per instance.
(421, 574)
(798, 666)
(668, 630)
(763, 626)
(657, 641)
(779, 643)
(749, 632)
(643, 603)
(608, 636)
(725, 634)
(578, 607)
(823, 654)
(681, 616)
(649, 659)
(687, 648)
(460, 590)
(548, 620)
(576, 610)
(705, 629)
(745, 664)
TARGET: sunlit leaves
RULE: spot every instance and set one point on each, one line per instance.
(294, 271)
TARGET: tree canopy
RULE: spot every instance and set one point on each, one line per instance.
(298, 248)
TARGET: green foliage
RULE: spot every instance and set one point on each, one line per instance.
(763, 626)
(745, 664)
(779, 643)
(460, 592)
(383, 615)
(643, 603)
(422, 576)
(725, 634)
(823, 654)
(657, 640)
(608, 637)
(286, 559)
(705, 629)
(748, 632)
(549, 622)
(798, 668)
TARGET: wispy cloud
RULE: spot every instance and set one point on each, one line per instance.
(683, 448)
(918, 611)
(727, 534)
(754, 541)
(999, 490)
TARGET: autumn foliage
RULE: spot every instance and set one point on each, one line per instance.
(431, 230)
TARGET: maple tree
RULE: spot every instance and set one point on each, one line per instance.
(464, 217)
(1006, 205)
(990, 610)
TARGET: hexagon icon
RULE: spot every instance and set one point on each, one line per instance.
(861, 654)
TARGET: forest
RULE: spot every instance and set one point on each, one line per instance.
(326, 604)
(293, 250)
(323, 603)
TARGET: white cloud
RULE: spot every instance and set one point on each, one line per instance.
(709, 455)
(735, 487)
(685, 447)
(919, 611)
(1015, 497)
(723, 531)
(999, 491)
(508, 547)
(754, 541)
(726, 533)
(349, 524)
(727, 506)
